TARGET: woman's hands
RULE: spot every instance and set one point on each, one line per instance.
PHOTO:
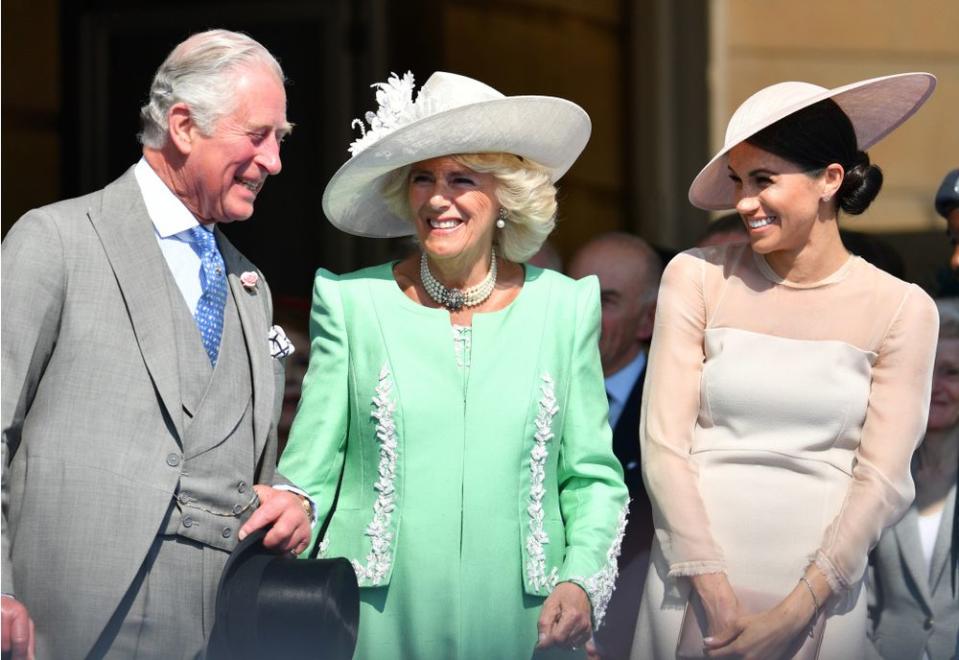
(764, 636)
(721, 606)
(566, 618)
(768, 634)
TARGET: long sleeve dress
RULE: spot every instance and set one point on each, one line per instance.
(778, 424)
(479, 469)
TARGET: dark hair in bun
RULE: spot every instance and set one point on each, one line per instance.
(817, 136)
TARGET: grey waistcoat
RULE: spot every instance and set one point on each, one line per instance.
(215, 491)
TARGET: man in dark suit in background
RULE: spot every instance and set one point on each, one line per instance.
(629, 271)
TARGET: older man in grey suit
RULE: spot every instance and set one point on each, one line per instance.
(139, 387)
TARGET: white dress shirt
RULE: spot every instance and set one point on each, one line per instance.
(172, 221)
(620, 384)
(928, 532)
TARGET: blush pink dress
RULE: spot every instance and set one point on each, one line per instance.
(777, 428)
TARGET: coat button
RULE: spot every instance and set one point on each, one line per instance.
(237, 509)
(227, 532)
(172, 460)
(183, 497)
(187, 521)
(928, 623)
(241, 487)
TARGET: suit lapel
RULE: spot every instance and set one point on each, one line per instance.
(129, 241)
(255, 327)
(941, 551)
(910, 549)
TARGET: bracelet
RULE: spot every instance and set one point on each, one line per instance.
(812, 593)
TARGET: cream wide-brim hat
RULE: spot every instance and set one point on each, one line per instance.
(452, 115)
(875, 107)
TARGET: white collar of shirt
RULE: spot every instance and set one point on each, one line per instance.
(170, 216)
(620, 384)
(172, 222)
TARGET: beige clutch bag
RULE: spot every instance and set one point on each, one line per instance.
(691, 632)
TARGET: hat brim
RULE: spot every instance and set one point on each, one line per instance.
(549, 130)
(269, 604)
(875, 107)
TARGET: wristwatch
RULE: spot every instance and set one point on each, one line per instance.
(307, 508)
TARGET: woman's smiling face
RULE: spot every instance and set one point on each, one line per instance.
(777, 200)
(453, 209)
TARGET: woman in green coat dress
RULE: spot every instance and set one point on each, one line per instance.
(460, 392)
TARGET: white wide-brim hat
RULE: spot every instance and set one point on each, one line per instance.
(875, 107)
(452, 115)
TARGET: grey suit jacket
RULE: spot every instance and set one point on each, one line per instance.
(912, 608)
(91, 412)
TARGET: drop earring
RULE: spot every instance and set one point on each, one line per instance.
(501, 219)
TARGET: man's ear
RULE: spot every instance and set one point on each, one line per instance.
(647, 319)
(181, 127)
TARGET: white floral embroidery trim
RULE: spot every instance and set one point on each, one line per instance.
(381, 538)
(324, 546)
(599, 586)
(536, 573)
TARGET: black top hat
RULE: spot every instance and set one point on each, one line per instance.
(270, 605)
(947, 198)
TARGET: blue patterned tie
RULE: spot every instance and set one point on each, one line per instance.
(209, 310)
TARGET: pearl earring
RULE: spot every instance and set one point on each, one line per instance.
(501, 220)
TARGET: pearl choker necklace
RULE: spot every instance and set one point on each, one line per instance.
(456, 299)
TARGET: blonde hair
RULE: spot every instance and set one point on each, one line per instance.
(523, 188)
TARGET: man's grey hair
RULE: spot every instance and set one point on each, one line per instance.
(200, 72)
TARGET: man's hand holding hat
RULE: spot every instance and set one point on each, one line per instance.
(284, 510)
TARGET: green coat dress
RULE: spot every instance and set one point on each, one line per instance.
(479, 470)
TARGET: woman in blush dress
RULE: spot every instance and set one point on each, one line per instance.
(788, 386)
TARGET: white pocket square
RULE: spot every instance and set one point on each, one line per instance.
(280, 344)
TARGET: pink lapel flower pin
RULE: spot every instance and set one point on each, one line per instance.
(249, 280)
